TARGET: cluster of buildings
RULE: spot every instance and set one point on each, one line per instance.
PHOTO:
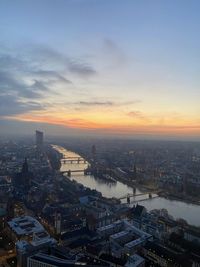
(13, 155)
(124, 242)
(49, 220)
(170, 166)
(98, 231)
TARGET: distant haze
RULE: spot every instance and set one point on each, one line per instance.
(16, 129)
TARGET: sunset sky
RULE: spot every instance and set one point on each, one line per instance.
(121, 67)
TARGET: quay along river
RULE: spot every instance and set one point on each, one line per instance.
(178, 209)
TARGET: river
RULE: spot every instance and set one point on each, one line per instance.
(178, 209)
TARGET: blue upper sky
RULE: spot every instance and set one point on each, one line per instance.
(139, 61)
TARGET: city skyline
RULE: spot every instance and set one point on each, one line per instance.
(127, 68)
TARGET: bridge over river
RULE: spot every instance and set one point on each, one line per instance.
(130, 198)
(70, 172)
(178, 209)
(74, 159)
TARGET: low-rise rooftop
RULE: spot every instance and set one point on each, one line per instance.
(25, 225)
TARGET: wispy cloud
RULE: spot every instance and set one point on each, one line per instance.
(51, 76)
(11, 105)
(29, 77)
(114, 52)
(81, 68)
(11, 84)
(135, 114)
(95, 103)
(77, 66)
(86, 104)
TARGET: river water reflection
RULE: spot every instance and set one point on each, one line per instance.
(178, 209)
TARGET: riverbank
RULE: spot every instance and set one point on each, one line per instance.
(176, 207)
(179, 198)
(161, 193)
(134, 184)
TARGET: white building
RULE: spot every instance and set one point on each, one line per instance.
(125, 236)
(25, 226)
(31, 237)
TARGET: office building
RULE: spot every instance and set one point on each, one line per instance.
(30, 237)
(39, 139)
(63, 260)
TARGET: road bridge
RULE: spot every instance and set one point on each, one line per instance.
(73, 160)
(63, 172)
(69, 172)
(74, 157)
(135, 195)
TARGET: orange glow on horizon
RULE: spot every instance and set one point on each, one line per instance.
(124, 126)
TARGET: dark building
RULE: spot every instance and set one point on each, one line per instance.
(39, 139)
(138, 211)
(135, 173)
(93, 151)
(158, 255)
(25, 175)
(62, 260)
(23, 179)
(25, 167)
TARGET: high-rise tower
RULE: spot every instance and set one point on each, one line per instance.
(39, 139)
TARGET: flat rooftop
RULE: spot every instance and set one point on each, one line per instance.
(120, 234)
(25, 225)
(59, 262)
(110, 226)
(134, 243)
(134, 260)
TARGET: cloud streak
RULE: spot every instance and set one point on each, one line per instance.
(81, 69)
(114, 53)
(27, 78)
(77, 66)
(11, 105)
(90, 104)
(135, 114)
(95, 103)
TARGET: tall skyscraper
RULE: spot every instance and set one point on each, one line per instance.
(39, 139)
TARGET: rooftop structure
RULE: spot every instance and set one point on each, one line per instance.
(133, 245)
(125, 236)
(110, 229)
(32, 238)
(135, 261)
(25, 226)
(121, 237)
(120, 234)
(46, 260)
